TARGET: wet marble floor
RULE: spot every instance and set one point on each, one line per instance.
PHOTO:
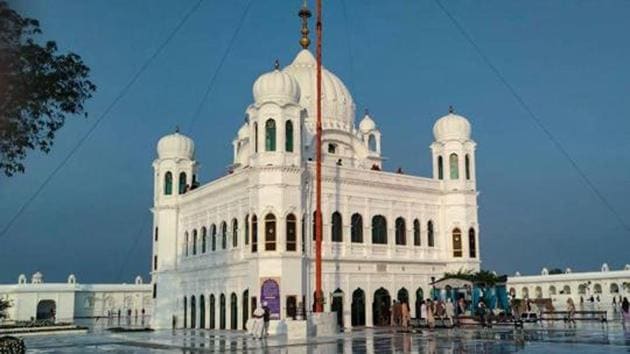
(594, 338)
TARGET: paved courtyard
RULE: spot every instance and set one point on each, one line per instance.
(584, 339)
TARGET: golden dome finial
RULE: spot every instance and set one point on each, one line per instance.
(304, 13)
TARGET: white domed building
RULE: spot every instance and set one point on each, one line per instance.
(223, 248)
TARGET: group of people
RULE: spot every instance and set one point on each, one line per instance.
(258, 325)
(444, 310)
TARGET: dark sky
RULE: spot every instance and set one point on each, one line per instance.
(405, 61)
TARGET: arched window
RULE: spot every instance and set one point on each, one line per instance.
(401, 232)
(332, 148)
(336, 228)
(270, 232)
(372, 142)
(194, 242)
(270, 135)
(454, 166)
(168, 183)
(185, 312)
(246, 233)
(430, 234)
(472, 243)
(457, 243)
(182, 183)
(213, 232)
(254, 233)
(234, 233)
(552, 290)
(186, 243)
(255, 137)
(440, 163)
(156, 234)
(356, 228)
(291, 233)
(417, 240)
(193, 314)
(288, 136)
(223, 235)
(379, 230)
(467, 163)
(204, 238)
(303, 229)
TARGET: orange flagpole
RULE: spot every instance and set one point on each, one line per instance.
(319, 301)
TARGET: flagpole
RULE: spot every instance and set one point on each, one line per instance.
(319, 301)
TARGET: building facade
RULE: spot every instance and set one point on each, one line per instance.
(223, 248)
(65, 302)
(598, 290)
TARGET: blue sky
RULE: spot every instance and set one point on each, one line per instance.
(405, 61)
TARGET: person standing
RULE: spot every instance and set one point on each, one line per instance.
(405, 316)
(449, 311)
(430, 314)
(625, 312)
(423, 310)
(396, 314)
(266, 318)
(258, 326)
(570, 312)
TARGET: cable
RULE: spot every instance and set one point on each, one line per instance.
(133, 247)
(103, 115)
(535, 118)
(213, 78)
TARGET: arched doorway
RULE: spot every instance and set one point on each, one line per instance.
(46, 310)
(337, 306)
(212, 312)
(202, 311)
(233, 312)
(403, 295)
(193, 314)
(245, 308)
(419, 299)
(380, 307)
(358, 307)
(222, 312)
(185, 313)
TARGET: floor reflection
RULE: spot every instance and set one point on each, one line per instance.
(535, 339)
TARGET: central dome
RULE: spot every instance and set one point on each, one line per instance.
(337, 104)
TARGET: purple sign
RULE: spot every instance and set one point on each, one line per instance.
(270, 293)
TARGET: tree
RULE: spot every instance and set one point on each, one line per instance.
(556, 271)
(39, 87)
(4, 305)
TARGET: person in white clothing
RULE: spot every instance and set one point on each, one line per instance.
(449, 310)
(258, 326)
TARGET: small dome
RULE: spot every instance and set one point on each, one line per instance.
(367, 124)
(451, 127)
(22, 279)
(176, 145)
(37, 278)
(72, 279)
(517, 274)
(276, 86)
(568, 271)
(605, 267)
(544, 271)
(627, 267)
(138, 280)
